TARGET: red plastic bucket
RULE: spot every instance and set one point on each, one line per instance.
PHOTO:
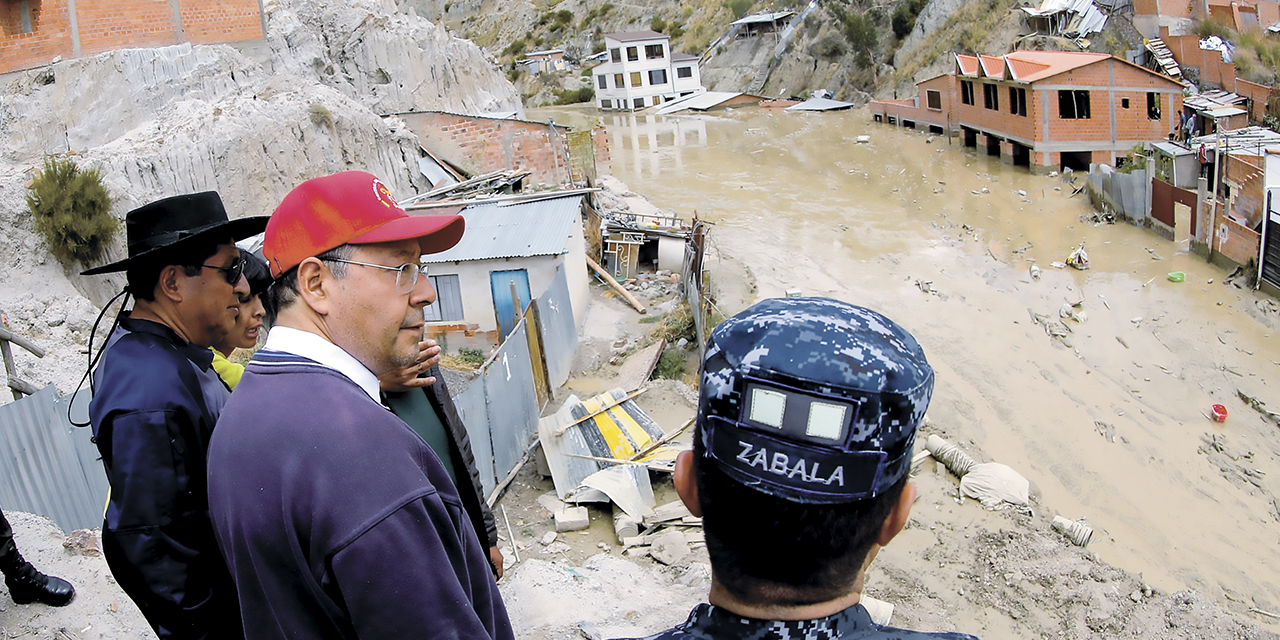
(1219, 413)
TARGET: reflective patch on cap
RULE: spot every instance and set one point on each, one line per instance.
(826, 420)
(768, 407)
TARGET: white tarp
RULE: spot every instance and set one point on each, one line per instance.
(1214, 43)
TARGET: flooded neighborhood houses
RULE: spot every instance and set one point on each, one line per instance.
(1131, 399)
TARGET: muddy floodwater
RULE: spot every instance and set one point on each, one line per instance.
(1110, 423)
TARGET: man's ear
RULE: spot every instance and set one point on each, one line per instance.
(170, 284)
(686, 481)
(313, 285)
(897, 518)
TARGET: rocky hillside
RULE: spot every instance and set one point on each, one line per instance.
(179, 119)
(853, 48)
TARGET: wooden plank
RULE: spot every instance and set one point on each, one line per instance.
(6, 334)
(636, 370)
(622, 291)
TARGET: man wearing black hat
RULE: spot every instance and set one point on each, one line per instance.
(156, 400)
(807, 415)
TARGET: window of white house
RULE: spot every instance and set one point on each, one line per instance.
(606, 104)
(653, 52)
(636, 79)
(448, 304)
(603, 81)
(638, 103)
(618, 81)
(658, 76)
(615, 55)
(684, 72)
(633, 54)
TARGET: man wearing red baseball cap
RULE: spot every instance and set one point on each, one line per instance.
(335, 518)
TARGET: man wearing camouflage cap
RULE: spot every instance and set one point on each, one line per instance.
(807, 416)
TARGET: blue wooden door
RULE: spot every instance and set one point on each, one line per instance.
(503, 306)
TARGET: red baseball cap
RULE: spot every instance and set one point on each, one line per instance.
(352, 207)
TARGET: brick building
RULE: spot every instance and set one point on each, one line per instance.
(643, 71)
(35, 32)
(552, 153)
(1044, 108)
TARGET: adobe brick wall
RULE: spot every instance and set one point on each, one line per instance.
(106, 25)
(482, 145)
(1233, 240)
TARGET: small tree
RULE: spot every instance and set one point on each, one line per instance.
(72, 210)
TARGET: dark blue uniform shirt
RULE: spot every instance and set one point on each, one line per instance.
(156, 399)
(708, 622)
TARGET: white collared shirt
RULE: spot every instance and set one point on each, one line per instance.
(314, 347)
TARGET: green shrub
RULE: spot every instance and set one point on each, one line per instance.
(471, 356)
(574, 96)
(72, 210)
(320, 115)
(738, 8)
(658, 24)
(675, 30)
(515, 48)
(670, 364)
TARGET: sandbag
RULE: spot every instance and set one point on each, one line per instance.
(996, 486)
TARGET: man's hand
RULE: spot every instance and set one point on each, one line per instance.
(495, 556)
(407, 378)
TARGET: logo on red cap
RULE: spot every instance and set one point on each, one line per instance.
(383, 194)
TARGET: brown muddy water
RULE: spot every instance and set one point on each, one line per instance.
(1110, 424)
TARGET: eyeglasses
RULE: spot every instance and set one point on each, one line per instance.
(406, 274)
(231, 273)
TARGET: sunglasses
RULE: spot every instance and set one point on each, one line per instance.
(231, 273)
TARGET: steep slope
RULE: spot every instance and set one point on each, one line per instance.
(180, 119)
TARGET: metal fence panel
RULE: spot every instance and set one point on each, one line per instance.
(42, 470)
(511, 401)
(559, 331)
(475, 417)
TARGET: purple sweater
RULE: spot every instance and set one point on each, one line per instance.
(337, 520)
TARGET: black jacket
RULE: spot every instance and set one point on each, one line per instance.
(473, 497)
(155, 400)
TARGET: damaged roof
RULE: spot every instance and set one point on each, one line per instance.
(517, 230)
(764, 17)
(631, 36)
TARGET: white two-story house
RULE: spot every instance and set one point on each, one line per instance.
(641, 71)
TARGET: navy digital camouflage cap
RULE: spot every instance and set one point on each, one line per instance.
(812, 400)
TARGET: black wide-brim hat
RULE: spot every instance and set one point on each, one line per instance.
(178, 220)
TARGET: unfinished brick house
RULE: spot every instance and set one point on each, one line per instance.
(35, 32)
(1044, 109)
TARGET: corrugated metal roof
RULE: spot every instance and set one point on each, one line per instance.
(698, 101)
(820, 104)
(764, 17)
(631, 36)
(520, 230)
(1171, 149)
(680, 56)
